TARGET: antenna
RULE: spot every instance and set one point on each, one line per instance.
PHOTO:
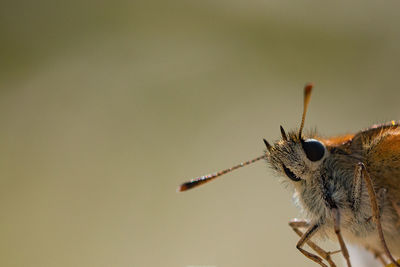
(207, 178)
(307, 96)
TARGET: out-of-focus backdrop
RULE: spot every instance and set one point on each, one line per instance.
(107, 106)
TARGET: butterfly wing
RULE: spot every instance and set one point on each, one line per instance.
(382, 155)
(337, 141)
(359, 140)
(379, 147)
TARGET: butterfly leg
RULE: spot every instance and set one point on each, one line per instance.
(381, 197)
(336, 221)
(305, 238)
(363, 173)
(357, 190)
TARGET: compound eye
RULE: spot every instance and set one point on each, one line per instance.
(314, 149)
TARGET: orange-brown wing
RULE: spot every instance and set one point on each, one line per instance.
(384, 146)
(382, 155)
(337, 140)
(356, 141)
(375, 131)
(382, 159)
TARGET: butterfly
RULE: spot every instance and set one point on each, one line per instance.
(347, 187)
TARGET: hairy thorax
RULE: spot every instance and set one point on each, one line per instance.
(334, 186)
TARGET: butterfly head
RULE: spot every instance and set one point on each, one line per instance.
(296, 157)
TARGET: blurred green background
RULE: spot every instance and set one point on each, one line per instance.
(107, 106)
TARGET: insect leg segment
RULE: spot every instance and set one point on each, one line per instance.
(336, 221)
(305, 238)
(298, 223)
(375, 209)
(295, 225)
(357, 189)
(381, 197)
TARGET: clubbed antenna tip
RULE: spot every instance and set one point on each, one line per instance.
(307, 95)
(207, 178)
